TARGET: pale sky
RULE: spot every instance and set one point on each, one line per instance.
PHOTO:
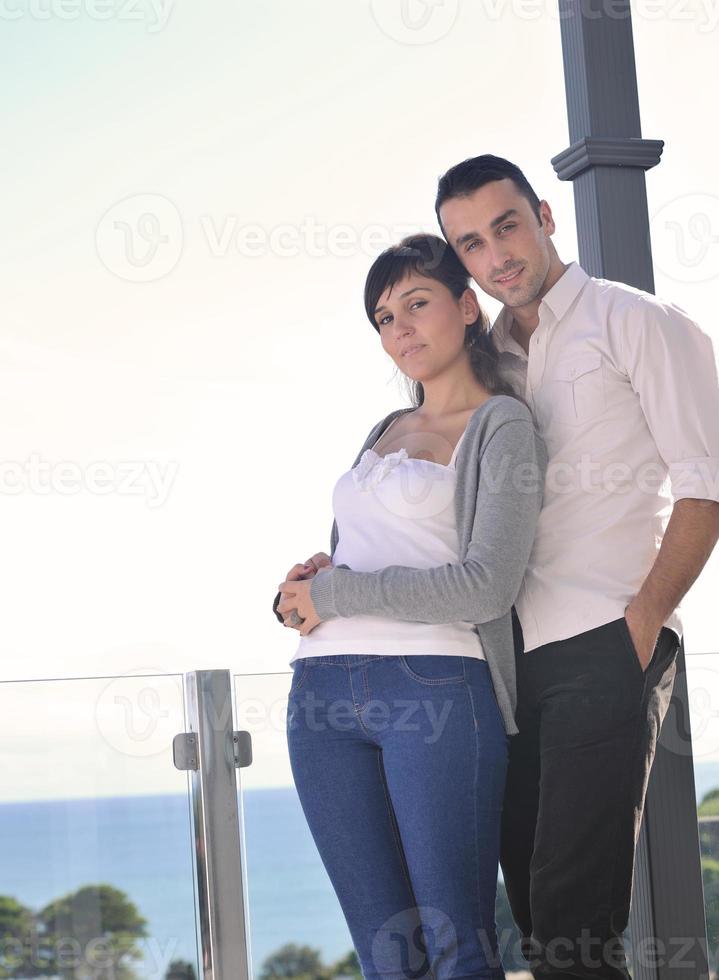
(194, 194)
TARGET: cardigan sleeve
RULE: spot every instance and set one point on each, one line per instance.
(484, 585)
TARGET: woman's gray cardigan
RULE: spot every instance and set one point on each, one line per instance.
(500, 472)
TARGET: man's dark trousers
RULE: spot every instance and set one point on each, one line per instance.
(588, 718)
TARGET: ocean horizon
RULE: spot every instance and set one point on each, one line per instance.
(142, 845)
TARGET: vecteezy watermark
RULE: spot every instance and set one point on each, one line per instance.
(287, 241)
(154, 13)
(704, 13)
(415, 21)
(419, 938)
(36, 475)
(685, 238)
(421, 715)
(101, 957)
(137, 713)
(426, 489)
(590, 951)
(141, 238)
(399, 946)
(697, 734)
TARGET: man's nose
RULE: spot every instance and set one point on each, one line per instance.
(499, 258)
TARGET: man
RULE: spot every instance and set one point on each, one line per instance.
(624, 391)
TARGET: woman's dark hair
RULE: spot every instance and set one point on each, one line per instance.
(469, 175)
(430, 256)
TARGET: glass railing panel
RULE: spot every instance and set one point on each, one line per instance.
(703, 687)
(296, 923)
(97, 870)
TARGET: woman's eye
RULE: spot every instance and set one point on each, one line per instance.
(420, 302)
(384, 319)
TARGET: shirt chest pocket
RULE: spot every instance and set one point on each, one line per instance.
(576, 389)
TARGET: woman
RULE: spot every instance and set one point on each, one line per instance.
(403, 693)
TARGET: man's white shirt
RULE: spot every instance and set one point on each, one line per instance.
(624, 391)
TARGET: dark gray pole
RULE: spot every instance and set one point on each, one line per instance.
(606, 161)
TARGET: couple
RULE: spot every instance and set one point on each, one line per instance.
(488, 652)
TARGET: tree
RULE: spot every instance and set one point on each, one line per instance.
(709, 806)
(298, 962)
(347, 966)
(16, 934)
(180, 970)
(96, 926)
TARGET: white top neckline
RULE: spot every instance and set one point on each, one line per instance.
(444, 466)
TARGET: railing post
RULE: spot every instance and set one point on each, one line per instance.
(212, 751)
(606, 161)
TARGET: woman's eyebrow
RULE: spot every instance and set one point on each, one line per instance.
(413, 290)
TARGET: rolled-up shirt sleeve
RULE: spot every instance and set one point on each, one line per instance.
(671, 365)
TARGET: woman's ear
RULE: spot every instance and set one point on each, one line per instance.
(470, 305)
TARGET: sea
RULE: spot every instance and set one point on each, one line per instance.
(141, 845)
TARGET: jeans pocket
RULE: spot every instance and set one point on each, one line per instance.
(433, 668)
(300, 669)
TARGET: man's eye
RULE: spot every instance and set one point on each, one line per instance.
(506, 226)
(472, 244)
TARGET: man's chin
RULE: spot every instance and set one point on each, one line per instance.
(510, 297)
(516, 298)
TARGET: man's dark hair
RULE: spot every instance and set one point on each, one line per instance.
(469, 175)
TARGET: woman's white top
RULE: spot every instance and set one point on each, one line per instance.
(394, 510)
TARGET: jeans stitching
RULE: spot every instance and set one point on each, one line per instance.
(295, 687)
(471, 702)
(395, 829)
(432, 680)
(476, 794)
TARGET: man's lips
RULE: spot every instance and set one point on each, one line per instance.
(512, 277)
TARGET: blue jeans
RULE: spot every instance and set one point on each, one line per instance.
(399, 763)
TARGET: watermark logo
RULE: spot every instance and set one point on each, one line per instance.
(703, 690)
(685, 238)
(415, 21)
(399, 945)
(137, 715)
(704, 14)
(140, 239)
(154, 13)
(146, 478)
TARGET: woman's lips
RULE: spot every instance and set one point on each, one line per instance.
(413, 350)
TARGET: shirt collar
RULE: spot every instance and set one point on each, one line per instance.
(558, 300)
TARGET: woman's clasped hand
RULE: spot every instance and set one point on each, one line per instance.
(296, 606)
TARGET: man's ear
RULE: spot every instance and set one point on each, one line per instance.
(545, 213)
